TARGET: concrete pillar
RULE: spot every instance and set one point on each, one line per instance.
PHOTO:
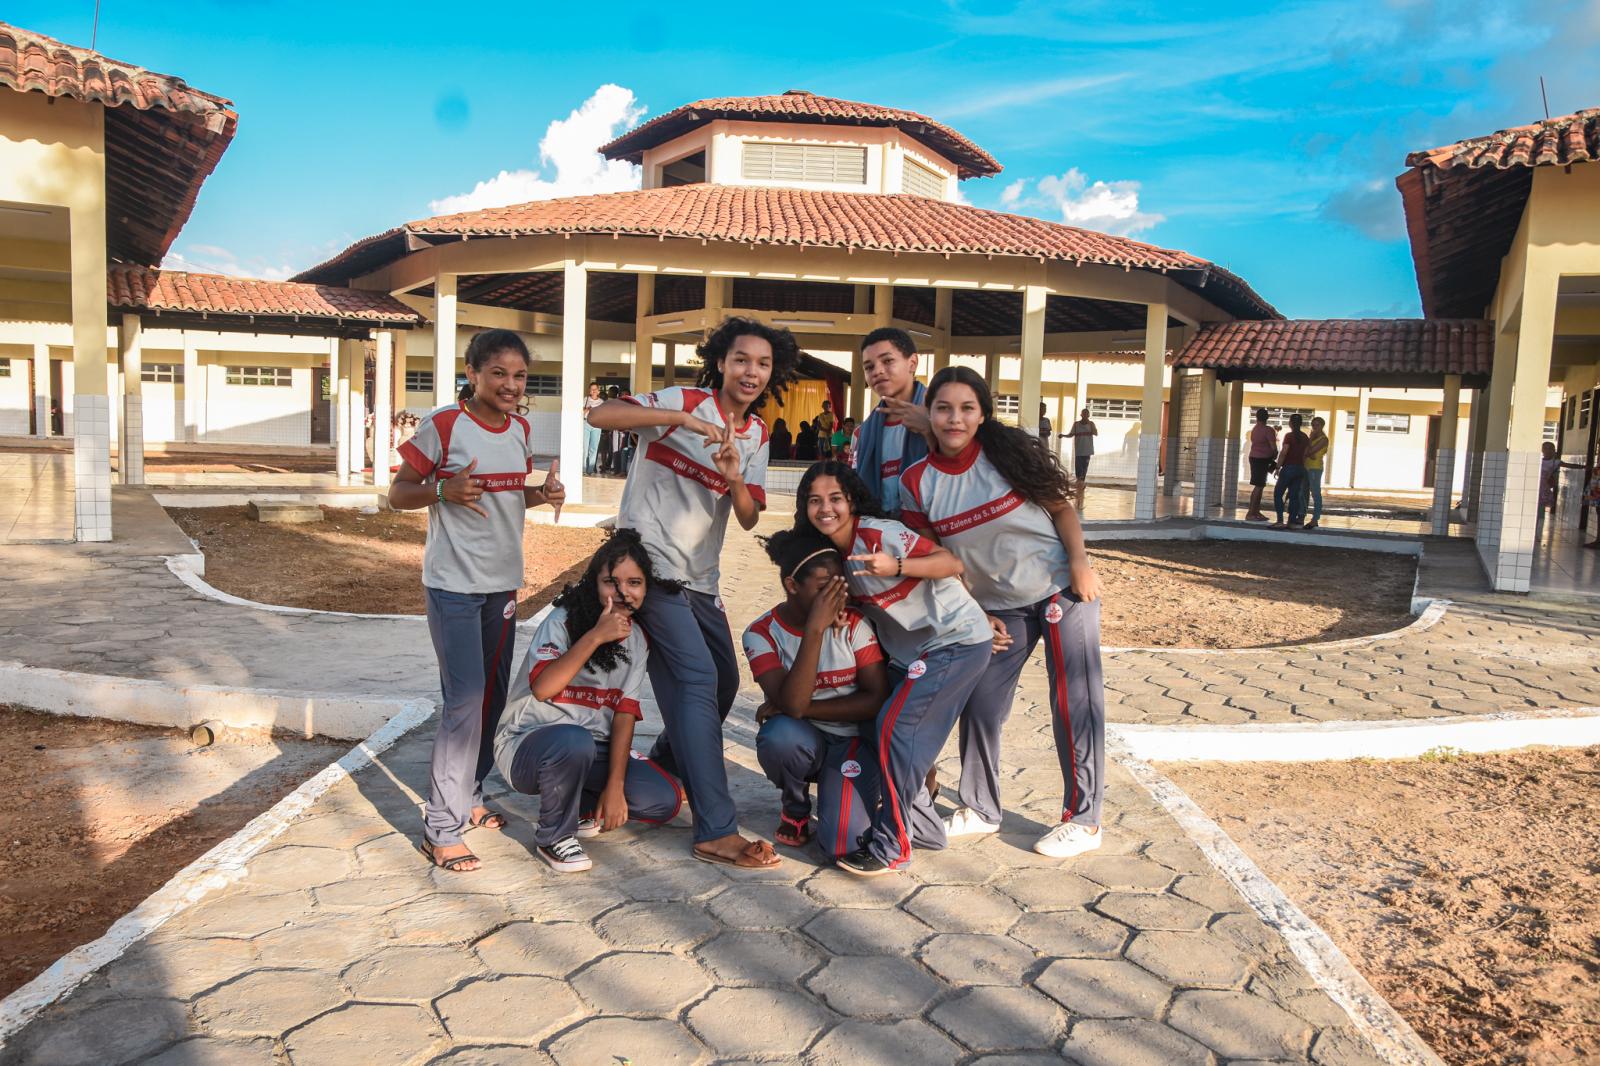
(1230, 457)
(856, 403)
(356, 353)
(1472, 484)
(1149, 465)
(643, 343)
(91, 405)
(339, 363)
(669, 373)
(130, 440)
(41, 389)
(1174, 445)
(943, 305)
(1358, 433)
(194, 391)
(574, 323)
(1208, 448)
(1033, 301)
(1496, 426)
(444, 340)
(1444, 465)
(1519, 483)
(382, 411)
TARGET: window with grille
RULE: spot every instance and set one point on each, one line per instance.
(1378, 422)
(1551, 431)
(280, 376)
(419, 381)
(763, 161)
(161, 373)
(5, 368)
(1279, 416)
(1008, 405)
(924, 181)
(1585, 409)
(544, 385)
(1125, 409)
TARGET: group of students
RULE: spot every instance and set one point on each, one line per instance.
(823, 437)
(1297, 461)
(917, 581)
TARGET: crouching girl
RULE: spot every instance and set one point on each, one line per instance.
(822, 672)
(567, 732)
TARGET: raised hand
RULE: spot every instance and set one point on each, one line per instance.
(712, 433)
(875, 564)
(461, 489)
(613, 625)
(913, 415)
(727, 459)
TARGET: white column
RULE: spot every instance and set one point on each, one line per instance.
(130, 441)
(1033, 302)
(643, 343)
(355, 354)
(1149, 469)
(1444, 465)
(444, 340)
(1170, 482)
(1519, 507)
(1230, 458)
(91, 406)
(1497, 422)
(339, 361)
(41, 389)
(1208, 449)
(382, 413)
(943, 305)
(194, 391)
(669, 372)
(1471, 487)
(574, 326)
(1359, 433)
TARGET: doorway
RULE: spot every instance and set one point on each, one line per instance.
(1430, 462)
(321, 420)
(56, 422)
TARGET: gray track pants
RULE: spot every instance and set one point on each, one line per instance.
(566, 767)
(796, 754)
(1070, 630)
(473, 634)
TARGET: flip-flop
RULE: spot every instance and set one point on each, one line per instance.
(490, 820)
(757, 847)
(450, 865)
(792, 832)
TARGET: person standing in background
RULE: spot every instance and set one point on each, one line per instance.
(1045, 435)
(591, 435)
(1291, 476)
(1083, 433)
(1316, 458)
(1263, 448)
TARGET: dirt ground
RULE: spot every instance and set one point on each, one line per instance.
(97, 815)
(1466, 888)
(368, 564)
(1243, 594)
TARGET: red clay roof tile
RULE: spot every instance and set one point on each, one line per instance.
(1371, 348)
(136, 288)
(1555, 142)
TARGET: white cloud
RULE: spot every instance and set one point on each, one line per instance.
(1106, 206)
(569, 147)
(213, 259)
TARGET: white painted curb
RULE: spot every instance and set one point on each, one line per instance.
(1431, 612)
(216, 869)
(1326, 741)
(1390, 1034)
(189, 568)
(130, 699)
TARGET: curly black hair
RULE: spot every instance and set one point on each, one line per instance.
(785, 355)
(1022, 459)
(581, 600)
(797, 552)
(862, 501)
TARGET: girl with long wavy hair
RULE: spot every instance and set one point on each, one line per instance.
(1001, 503)
(702, 456)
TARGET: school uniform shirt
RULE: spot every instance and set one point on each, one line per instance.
(467, 552)
(912, 616)
(675, 496)
(590, 699)
(1012, 553)
(891, 443)
(770, 644)
(1082, 438)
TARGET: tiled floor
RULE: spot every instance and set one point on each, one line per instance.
(35, 497)
(1561, 564)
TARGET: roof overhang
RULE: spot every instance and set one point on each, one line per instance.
(1396, 353)
(173, 299)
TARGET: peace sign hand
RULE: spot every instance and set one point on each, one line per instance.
(876, 564)
(727, 460)
(461, 489)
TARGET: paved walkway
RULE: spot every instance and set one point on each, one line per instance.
(340, 945)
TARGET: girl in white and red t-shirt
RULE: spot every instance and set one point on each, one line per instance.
(998, 499)
(938, 642)
(702, 456)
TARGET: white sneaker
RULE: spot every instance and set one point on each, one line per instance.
(588, 828)
(964, 822)
(565, 856)
(1066, 840)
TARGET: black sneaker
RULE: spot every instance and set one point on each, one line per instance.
(565, 856)
(863, 863)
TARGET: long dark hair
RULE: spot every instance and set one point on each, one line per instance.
(862, 501)
(785, 355)
(484, 346)
(581, 600)
(1032, 470)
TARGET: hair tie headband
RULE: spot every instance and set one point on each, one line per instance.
(797, 567)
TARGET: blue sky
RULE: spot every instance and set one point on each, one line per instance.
(1264, 137)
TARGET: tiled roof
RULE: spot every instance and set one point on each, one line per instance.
(136, 288)
(799, 106)
(1464, 201)
(804, 218)
(163, 138)
(1381, 350)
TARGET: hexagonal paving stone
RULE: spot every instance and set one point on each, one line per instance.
(1210, 891)
(110, 1033)
(1049, 889)
(321, 946)
(181, 968)
(679, 881)
(636, 983)
(758, 1021)
(855, 1042)
(1238, 1025)
(964, 909)
(1069, 934)
(875, 986)
(494, 1056)
(1344, 1046)
(832, 889)
(759, 958)
(1001, 1019)
(1104, 988)
(1160, 910)
(544, 949)
(1131, 1042)
(293, 866)
(441, 918)
(967, 864)
(638, 1040)
(508, 1010)
(206, 1051)
(1128, 872)
(1196, 959)
(542, 902)
(763, 907)
(867, 932)
(268, 1002)
(390, 853)
(1179, 855)
(657, 926)
(365, 893)
(977, 959)
(418, 973)
(243, 915)
(381, 1032)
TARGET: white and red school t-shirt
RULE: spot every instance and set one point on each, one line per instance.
(913, 616)
(676, 498)
(1012, 554)
(590, 699)
(467, 552)
(891, 445)
(772, 644)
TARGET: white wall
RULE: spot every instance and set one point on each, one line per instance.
(16, 403)
(256, 414)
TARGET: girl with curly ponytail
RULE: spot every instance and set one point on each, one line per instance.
(1000, 501)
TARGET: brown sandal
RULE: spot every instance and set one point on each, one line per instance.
(450, 865)
(756, 855)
